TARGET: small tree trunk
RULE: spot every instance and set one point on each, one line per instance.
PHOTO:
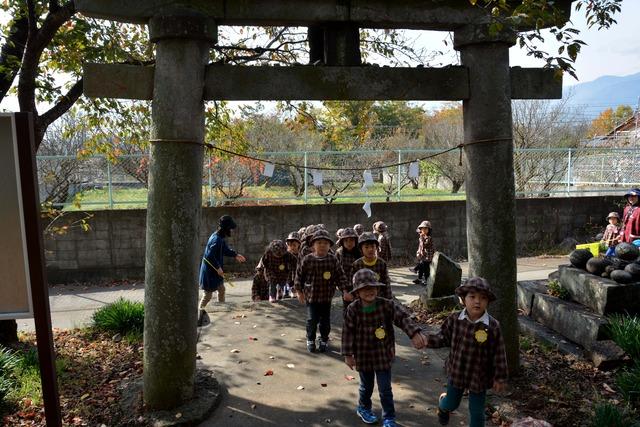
(455, 186)
(8, 332)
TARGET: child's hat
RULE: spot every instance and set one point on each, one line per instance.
(339, 232)
(310, 231)
(477, 284)
(358, 228)
(363, 278)
(423, 224)
(346, 234)
(277, 247)
(226, 222)
(380, 226)
(632, 192)
(613, 215)
(367, 237)
(294, 236)
(321, 235)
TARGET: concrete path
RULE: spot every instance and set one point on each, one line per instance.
(271, 337)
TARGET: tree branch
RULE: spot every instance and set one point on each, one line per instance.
(12, 52)
(62, 106)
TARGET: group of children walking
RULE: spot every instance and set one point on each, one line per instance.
(308, 266)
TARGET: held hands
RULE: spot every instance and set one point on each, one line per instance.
(419, 341)
(240, 258)
(301, 297)
(220, 272)
(347, 296)
(350, 361)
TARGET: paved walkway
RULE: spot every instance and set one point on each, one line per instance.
(305, 389)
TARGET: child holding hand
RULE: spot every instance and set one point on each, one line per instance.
(611, 236)
(477, 360)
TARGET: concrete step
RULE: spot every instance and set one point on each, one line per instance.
(526, 290)
(603, 296)
(569, 319)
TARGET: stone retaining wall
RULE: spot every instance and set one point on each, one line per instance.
(114, 247)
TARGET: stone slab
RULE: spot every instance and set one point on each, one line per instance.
(546, 336)
(602, 295)
(444, 276)
(569, 319)
(605, 355)
(525, 291)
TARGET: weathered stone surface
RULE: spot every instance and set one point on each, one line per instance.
(525, 293)
(444, 276)
(604, 296)
(439, 304)
(569, 319)
(605, 354)
(545, 335)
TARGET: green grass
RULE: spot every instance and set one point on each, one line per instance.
(8, 363)
(121, 317)
(136, 198)
(526, 343)
(605, 414)
(555, 289)
(625, 331)
(628, 381)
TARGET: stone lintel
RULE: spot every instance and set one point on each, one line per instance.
(185, 26)
(415, 14)
(244, 83)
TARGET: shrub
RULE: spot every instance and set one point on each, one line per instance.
(628, 381)
(608, 415)
(625, 331)
(123, 316)
(8, 362)
(555, 289)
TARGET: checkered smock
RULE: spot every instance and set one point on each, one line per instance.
(280, 270)
(472, 364)
(374, 352)
(425, 248)
(384, 247)
(259, 287)
(347, 259)
(380, 268)
(319, 278)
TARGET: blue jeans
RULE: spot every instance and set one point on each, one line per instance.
(384, 388)
(476, 404)
(611, 251)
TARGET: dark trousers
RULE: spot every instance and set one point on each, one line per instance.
(476, 404)
(318, 313)
(384, 389)
(423, 269)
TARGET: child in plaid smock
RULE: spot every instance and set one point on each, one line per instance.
(368, 343)
(259, 287)
(279, 270)
(347, 253)
(425, 252)
(317, 277)
(384, 245)
(368, 245)
(477, 360)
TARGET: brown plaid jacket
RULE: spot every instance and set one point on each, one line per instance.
(346, 259)
(359, 339)
(425, 248)
(384, 247)
(472, 364)
(279, 270)
(380, 268)
(610, 233)
(259, 287)
(319, 278)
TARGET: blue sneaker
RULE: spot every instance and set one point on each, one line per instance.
(367, 416)
(389, 422)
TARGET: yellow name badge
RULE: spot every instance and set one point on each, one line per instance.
(326, 275)
(281, 267)
(481, 335)
(377, 277)
(381, 333)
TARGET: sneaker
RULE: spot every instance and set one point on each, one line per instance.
(443, 416)
(311, 346)
(272, 299)
(366, 415)
(389, 422)
(418, 281)
(323, 346)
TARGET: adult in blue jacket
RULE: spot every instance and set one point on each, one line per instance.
(211, 273)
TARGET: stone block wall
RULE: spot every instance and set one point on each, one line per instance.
(114, 247)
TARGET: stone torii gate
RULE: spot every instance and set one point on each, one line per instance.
(181, 81)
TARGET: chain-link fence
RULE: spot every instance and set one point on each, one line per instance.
(98, 182)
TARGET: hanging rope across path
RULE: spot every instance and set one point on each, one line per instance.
(330, 168)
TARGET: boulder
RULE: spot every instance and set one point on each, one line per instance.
(444, 276)
(605, 354)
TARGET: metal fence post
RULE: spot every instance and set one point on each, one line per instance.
(399, 160)
(306, 179)
(569, 177)
(109, 183)
(210, 183)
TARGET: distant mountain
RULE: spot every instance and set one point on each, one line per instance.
(607, 91)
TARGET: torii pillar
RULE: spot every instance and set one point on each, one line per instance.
(174, 204)
(489, 183)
